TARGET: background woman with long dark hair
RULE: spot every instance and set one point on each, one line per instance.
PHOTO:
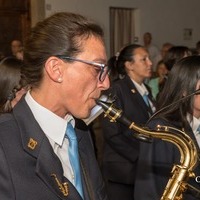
(157, 159)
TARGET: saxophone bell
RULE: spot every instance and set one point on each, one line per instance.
(177, 184)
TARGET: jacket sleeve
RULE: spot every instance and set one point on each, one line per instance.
(118, 136)
(6, 186)
(155, 163)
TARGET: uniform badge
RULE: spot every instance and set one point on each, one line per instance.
(32, 143)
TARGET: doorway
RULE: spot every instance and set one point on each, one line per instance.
(15, 22)
(122, 28)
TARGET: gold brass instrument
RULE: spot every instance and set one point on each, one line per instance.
(177, 184)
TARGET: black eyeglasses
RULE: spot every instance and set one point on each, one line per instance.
(104, 69)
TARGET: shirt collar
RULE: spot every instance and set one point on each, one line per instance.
(141, 88)
(194, 123)
(53, 126)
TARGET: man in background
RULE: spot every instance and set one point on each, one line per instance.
(152, 49)
(16, 46)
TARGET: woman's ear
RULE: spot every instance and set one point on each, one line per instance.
(128, 65)
(54, 69)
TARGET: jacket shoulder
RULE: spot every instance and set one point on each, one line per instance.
(6, 117)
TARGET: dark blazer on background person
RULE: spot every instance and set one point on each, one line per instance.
(30, 171)
(121, 148)
(155, 163)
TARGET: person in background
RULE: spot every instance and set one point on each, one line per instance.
(174, 54)
(156, 83)
(157, 159)
(121, 149)
(16, 46)
(165, 48)
(43, 154)
(154, 52)
(11, 90)
(20, 55)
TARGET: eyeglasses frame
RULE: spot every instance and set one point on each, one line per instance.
(101, 65)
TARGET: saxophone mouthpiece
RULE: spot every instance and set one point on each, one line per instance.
(97, 110)
(106, 101)
(104, 104)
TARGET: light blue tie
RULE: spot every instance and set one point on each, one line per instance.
(146, 99)
(74, 157)
(198, 129)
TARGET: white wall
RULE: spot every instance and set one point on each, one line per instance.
(166, 20)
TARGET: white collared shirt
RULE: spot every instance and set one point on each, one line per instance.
(54, 128)
(143, 91)
(194, 124)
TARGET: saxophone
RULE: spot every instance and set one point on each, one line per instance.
(177, 184)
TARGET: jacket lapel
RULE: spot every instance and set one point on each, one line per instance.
(136, 95)
(48, 166)
(49, 169)
(83, 157)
